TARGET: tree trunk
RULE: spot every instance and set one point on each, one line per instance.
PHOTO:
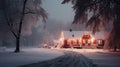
(17, 45)
(20, 28)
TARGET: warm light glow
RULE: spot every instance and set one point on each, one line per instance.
(92, 39)
(80, 39)
(86, 33)
(61, 37)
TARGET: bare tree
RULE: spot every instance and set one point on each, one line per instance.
(15, 12)
(103, 11)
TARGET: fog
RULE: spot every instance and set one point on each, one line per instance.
(35, 32)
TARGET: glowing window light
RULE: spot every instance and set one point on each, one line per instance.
(92, 40)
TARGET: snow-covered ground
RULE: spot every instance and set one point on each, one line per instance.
(99, 57)
(70, 59)
(27, 56)
(40, 57)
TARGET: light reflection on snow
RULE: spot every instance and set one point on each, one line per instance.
(81, 50)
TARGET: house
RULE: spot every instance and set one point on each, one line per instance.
(75, 39)
(78, 34)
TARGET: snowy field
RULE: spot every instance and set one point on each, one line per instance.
(99, 57)
(40, 57)
(27, 56)
(70, 59)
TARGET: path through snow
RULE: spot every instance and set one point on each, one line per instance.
(70, 59)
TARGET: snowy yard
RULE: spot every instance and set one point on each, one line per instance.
(27, 56)
(70, 59)
(99, 57)
(40, 57)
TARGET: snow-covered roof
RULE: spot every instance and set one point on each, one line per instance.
(78, 34)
